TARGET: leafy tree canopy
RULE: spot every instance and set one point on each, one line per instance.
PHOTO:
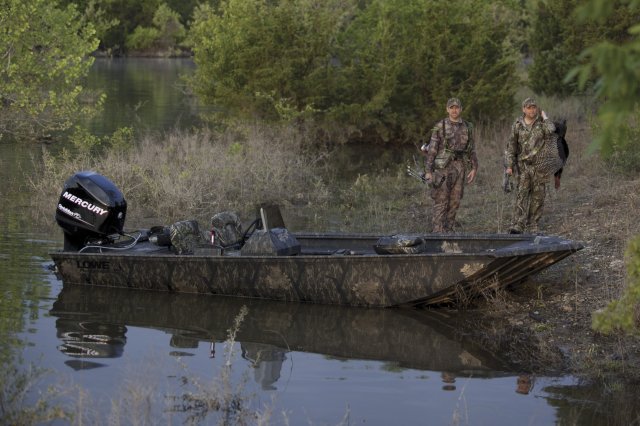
(563, 29)
(614, 65)
(117, 20)
(165, 35)
(383, 68)
(44, 51)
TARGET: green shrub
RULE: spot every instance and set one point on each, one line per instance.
(143, 38)
(557, 43)
(623, 313)
(45, 54)
(171, 30)
(167, 32)
(621, 150)
(381, 70)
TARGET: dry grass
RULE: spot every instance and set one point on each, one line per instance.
(197, 174)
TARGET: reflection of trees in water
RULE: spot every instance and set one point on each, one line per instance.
(266, 360)
(84, 339)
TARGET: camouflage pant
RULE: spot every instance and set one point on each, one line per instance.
(447, 197)
(529, 199)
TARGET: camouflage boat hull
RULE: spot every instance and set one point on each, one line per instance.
(342, 269)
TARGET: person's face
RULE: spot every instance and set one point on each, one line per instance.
(454, 112)
(530, 111)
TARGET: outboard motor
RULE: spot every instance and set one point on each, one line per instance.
(90, 207)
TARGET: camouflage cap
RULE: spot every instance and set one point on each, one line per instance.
(528, 102)
(454, 101)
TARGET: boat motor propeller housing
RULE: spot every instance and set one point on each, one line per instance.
(90, 207)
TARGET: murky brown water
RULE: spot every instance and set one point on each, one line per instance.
(133, 355)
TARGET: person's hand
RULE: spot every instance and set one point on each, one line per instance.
(509, 171)
(471, 176)
(428, 176)
(543, 114)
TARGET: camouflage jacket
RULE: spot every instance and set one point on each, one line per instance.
(526, 141)
(456, 140)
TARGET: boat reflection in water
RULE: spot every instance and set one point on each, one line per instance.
(415, 339)
(267, 362)
(84, 340)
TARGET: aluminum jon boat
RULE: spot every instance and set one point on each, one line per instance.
(272, 263)
(339, 269)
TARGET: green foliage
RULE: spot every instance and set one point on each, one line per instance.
(129, 15)
(402, 60)
(553, 54)
(381, 68)
(143, 38)
(166, 34)
(558, 40)
(122, 140)
(253, 48)
(615, 66)
(94, 13)
(83, 140)
(622, 314)
(45, 55)
(620, 150)
(168, 23)
(117, 20)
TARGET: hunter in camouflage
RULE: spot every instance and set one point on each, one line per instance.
(526, 143)
(450, 154)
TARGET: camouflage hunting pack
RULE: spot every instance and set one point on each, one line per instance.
(185, 236)
(226, 229)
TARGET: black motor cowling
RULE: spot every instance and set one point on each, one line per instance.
(90, 207)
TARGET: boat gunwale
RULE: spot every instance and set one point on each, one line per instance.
(528, 247)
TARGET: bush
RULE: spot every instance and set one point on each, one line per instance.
(381, 70)
(623, 313)
(143, 38)
(167, 32)
(46, 55)
(557, 43)
(621, 149)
